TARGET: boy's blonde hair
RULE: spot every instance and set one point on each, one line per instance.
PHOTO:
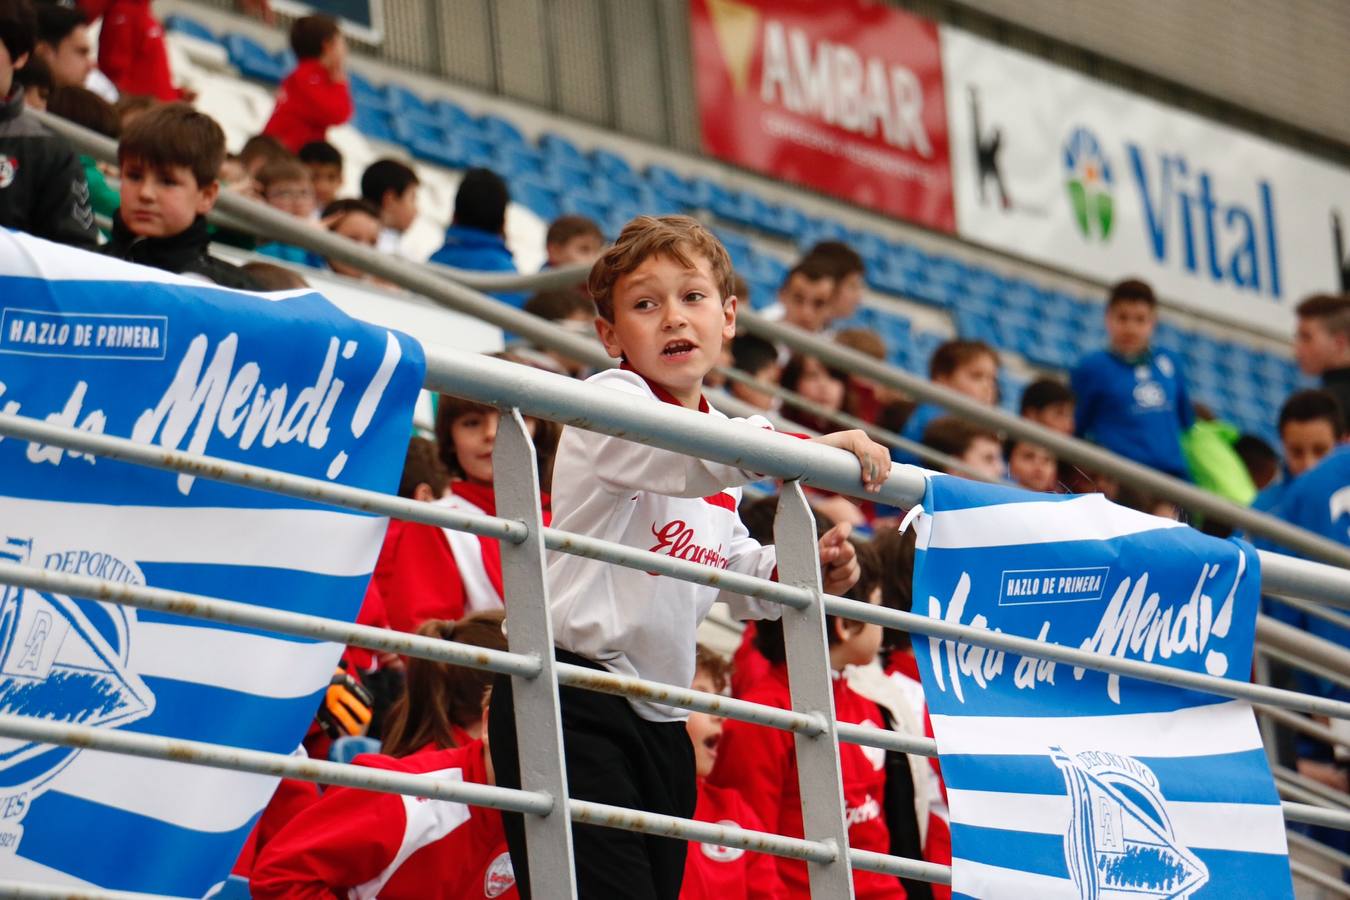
(678, 237)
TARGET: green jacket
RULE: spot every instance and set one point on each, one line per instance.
(1214, 464)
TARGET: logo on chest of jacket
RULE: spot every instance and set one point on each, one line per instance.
(9, 167)
(500, 877)
(677, 539)
(722, 854)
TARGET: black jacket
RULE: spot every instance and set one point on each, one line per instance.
(1337, 381)
(183, 253)
(42, 186)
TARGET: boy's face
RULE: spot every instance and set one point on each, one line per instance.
(705, 731)
(1306, 444)
(806, 303)
(977, 378)
(327, 181)
(71, 60)
(162, 202)
(294, 197)
(1129, 326)
(1033, 467)
(580, 248)
(858, 641)
(819, 385)
(848, 294)
(1056, 416)
(670, 322)
(400, 210)
(1317, 349)
(359, 227)
(984, 455)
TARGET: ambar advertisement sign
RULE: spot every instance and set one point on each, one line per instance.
(844, 97)
(1052, 166)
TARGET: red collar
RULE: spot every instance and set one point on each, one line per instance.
(660, 392)
(480, 495)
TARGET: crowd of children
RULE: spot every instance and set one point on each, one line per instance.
(663, 302)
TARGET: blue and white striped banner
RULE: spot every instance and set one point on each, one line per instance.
(1072, 783)
(284, 381)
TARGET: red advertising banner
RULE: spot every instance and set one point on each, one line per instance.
(845, 97)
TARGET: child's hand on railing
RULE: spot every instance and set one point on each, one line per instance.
(873, 457)
(838, 560)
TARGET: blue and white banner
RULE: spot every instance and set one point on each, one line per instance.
(283, 381)
(1067, 782)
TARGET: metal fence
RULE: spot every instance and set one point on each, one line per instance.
(520, 391)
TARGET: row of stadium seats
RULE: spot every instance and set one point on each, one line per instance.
(552, 175)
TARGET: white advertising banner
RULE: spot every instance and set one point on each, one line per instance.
(1052, 166)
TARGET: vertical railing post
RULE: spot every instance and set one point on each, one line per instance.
(808, 663)
(529, 630)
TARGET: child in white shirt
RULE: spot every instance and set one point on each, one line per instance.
(665, 303)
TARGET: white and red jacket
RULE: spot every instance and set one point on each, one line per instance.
(761, 764)
(728, 873)
(629, 621)
(363, 844)
(425, 572)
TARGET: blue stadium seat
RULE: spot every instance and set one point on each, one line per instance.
(559, 147)
(252, 59)
(365, 93)
(423, 139)
(189, 26)
(404, 102)
(500, 131)
(286, 59)
(738, 247)
(374, 122)
(579, 204)
(348, 747)
(610, 164)
(616, 191)
(511, 160)
(569, 177)
(668, 182)
(702, 193)
(538, 196)
(453, 117)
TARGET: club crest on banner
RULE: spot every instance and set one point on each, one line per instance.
(1120, 836)
(62, 659)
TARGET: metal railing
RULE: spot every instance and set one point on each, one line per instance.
(455, 289)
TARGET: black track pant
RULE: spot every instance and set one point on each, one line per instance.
(613, 756)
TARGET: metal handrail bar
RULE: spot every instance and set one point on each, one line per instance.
(1308, 651)
(434, 285)
(1326, 795)
(936, 458)
(1302, 840)
(1302, 870)
(1298, 793)
(1072, 449)
(1303, 724)
(1312, 609)
(1292, 659)
(1315, 815)
(30, 890)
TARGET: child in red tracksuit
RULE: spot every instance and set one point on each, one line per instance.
(369, 844)
(712, 872)
(425, 572)
(314, 97)
(760, 762)
(131, 48)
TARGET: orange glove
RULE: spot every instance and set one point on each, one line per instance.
(346, 707)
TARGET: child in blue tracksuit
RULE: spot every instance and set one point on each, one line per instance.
(1132, 398)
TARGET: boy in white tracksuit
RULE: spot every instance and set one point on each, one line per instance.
(665, 303)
